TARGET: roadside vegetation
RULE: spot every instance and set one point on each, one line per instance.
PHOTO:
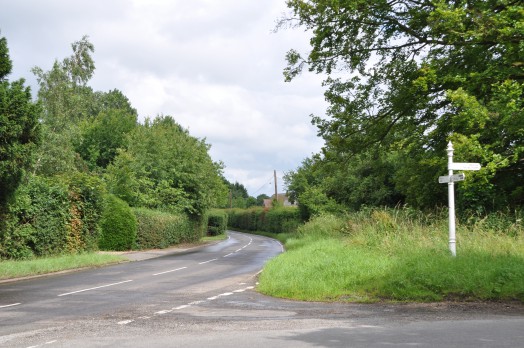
(38, 266)
(398, 255)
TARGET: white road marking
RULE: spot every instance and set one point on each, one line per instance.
(125, 322)
(228, 254)
(10, 305)
(164, 311)
(98, 287)
(173, 270)
(181, 307)
(201, 263)
(40, 345)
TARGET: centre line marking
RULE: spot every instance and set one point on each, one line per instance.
(201, 263)
(98, 287)
(173, 270)
(10, 305)
(228, 254)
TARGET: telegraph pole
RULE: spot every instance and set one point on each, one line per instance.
(276, 191)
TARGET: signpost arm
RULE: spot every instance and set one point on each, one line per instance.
(451, 203)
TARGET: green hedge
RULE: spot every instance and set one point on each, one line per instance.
(157, 229)
(118, 224)
(276, 220)
(50, 216)
(216, 222)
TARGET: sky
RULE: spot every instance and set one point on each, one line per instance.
(215, 66)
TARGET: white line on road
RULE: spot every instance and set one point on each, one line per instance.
(125, 322)
(98, 287)
(228, 254)
(201, 263)
(10, 305)
(173, 270)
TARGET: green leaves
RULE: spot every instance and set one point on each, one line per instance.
(406, 77)
(166, 168)
(19, 129)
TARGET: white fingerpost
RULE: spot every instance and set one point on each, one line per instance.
(450, 180)
(451, 203)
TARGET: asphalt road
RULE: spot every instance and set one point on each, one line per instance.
(206, 298)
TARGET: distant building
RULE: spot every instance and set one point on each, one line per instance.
(281, 197)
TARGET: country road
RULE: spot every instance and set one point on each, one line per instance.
(206, 298)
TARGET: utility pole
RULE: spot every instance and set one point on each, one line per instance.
(276, 191)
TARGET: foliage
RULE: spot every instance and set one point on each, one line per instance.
(19, 130)
(52, 216)
(118, 225)
(216, 222)
(67, 101)
(404, 78)
(104, 135)
(166, 168)
(86, 196)
(158, 229)
(276, 220)
(400, 255)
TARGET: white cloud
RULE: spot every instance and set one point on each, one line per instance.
(215, 66)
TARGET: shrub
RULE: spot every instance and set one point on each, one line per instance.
(118, 225)
(216, 222)
(86, 197)
(276, 220)
(50, 216)
(157, 229)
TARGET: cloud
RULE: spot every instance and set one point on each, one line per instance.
(215, 66)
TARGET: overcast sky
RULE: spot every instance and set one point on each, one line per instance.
(214, 65)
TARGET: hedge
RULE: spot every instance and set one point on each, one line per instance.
(157, 229)
(275, 220)
(118, 225)
(51, 216)
(216, 222)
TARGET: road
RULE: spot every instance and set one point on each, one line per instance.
(206, 298)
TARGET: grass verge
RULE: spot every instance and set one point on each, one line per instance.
(391, 255)
(24, 268)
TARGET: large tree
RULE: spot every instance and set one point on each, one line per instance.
(19, 128)
(408, 76)
(67, 101)
(164, 167)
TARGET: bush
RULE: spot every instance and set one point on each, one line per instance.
(276, 220)
(216, 222)
(86, 197)
(157, 229)
(51, 216)
(118, 226)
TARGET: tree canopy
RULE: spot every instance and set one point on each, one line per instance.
(19, 128)
(406, 77)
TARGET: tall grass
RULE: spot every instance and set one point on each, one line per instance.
(401, 255)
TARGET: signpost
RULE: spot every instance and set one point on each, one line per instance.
(454, 178)
(450, 180)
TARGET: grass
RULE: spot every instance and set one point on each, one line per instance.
(398, 255)
(24, 268)
(10, 269)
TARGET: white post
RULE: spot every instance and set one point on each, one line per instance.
(451, 203)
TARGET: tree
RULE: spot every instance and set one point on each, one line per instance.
(166, 168)
(19, 129)
(67, 101)
(408, 76)
(102, 136)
